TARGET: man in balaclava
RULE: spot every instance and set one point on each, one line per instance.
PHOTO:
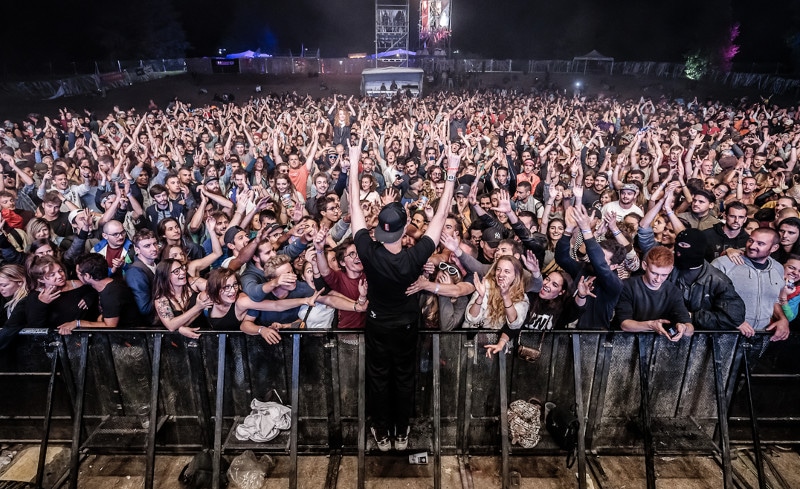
(708, 293)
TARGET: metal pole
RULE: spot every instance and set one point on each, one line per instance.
(221, 352)
(362, 412)
(48, 414)
(437, 416)
(762, 481)
(722, 414)
(155, 384)
(77, 423)
(503, 417)
(649, 457)
(576, 368)
(295, 410)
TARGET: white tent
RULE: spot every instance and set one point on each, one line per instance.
(596, 59)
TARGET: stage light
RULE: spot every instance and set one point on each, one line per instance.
(578, 84)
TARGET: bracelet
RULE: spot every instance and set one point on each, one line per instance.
(479, 303)
(616, 233)
(354, 307)
(504, 305)
(436, 290)
(77, 324)
(670, 213)
(259, 330)
(580, 296)
(362, 300)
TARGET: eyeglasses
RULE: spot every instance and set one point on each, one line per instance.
(450, 269)
(116, 235)
(352, 255)
(230, 287)
(334, 209)
(177, 271)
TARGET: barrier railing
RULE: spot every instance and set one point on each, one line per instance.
(685, 391)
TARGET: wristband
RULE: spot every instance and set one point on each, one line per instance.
(354, 307)
(616, 233)
(586, 231)
(436, 290)
(77, 324)
(259, 330)
(670, 213)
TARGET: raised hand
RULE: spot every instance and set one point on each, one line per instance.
(503, 202)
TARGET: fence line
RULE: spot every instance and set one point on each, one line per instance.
(100, 76)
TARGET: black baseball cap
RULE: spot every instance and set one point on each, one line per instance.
(391, 223)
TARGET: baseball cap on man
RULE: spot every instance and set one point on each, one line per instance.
(463, 189)
(230, 234)
(391, 223)
(630, 186)
(492, 236)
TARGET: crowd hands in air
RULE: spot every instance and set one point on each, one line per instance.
(640, 215)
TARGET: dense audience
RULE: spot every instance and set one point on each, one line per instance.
(642, 215)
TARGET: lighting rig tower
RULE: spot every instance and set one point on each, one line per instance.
(391, 32)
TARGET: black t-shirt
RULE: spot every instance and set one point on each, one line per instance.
(117, 301)
(60, 226)
(640, 303)
(388, 276)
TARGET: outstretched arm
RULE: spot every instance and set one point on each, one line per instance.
(436, 225)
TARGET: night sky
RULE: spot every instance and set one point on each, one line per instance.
(48, 31)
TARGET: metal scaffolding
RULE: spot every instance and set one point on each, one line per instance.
(391, 32)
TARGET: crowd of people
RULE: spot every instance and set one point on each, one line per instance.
(511, 212)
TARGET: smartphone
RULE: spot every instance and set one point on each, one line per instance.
(121, 184)
(672, 331)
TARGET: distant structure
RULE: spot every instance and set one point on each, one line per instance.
(391, 32)
(435, 17)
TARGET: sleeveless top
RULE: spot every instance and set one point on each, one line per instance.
(228, 322)
(200, 321)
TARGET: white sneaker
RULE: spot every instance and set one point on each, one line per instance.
(383, 442)
(401, 441)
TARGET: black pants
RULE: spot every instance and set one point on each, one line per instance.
(391, 354)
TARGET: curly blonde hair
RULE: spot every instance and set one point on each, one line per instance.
(495, 309)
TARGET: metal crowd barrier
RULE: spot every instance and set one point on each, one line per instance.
(684, 389)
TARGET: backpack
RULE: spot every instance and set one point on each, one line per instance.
(563, 426)
(198, 473)
(525, 422)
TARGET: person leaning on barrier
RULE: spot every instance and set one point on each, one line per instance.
(261, 317)
(758, 280)
(179, 307)
(141, 273)
(651, 303)
(57, 300)
(230, 306)
(116, 302)
(708, 294)
(14, 288)
(604, 259)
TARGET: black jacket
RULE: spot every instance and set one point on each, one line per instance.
(711, 299)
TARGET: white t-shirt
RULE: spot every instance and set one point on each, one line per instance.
(615, 207)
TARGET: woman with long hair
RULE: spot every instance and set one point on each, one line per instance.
(14, 288)
(548, 310)
(499, 300)
(178, 306)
